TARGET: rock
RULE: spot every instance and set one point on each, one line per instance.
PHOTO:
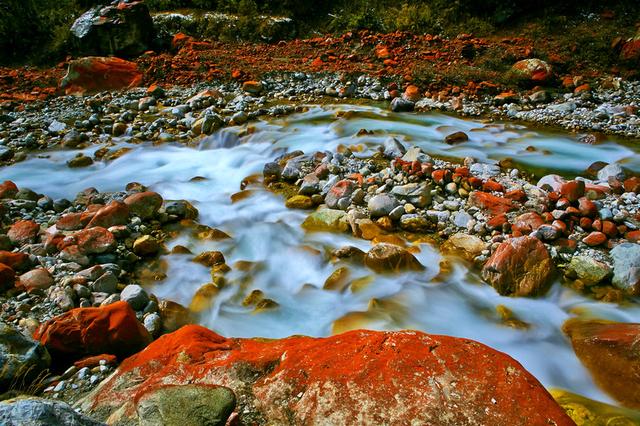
(484, 171)
(32, 411)
(299, 202)
(23, 232)
(393, 148)
(124, 29)
(106, 283)
(112, 329)
(8, 189)
(610, 171)
(135, 296)
(588, 270)
(15, 260)
(146, 246)
(181, 209)
(97, 74)
(210, 123)
(252, 87)
(632, 184)
(572, 190)
(464, 245)
(519, 267)
(186, 405)
(173, 316)
(22, 359)
(210, 258)
(95, 240)
(493, 204)
(585, 411)
(402, 105)
(56, 127)
(113, 214)
(416, 154)
(145, 205)
(418, 194)
(382, 205)
(595, 239)
(391, 258)
(341, 190)
(626, 267)
(7, 277)
(535, 70)
(609, 351)
(527, 223)
(372, 378)
(80, 160)
(456, 138)
(38, 279)
(326, 220)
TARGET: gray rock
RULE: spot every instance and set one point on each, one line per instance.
(397, 213)
(56, 127)
(393, 148)
(293, 169)
(107, 283)
(415, 223)
(33, 411)
(402, 105)
(610, 171)
(135, 296)
(484, 170)
(210, 123)
(22, 359)
(418, 194)
(462, 219)
(153, 324)
(626, 267)
(310, 185)
(416, 154)
(186, 405)
(589, 270)
(382, 205)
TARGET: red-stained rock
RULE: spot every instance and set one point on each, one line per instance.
(441, 176)
(144, 204)
(7, 277)
(594, 239)
(16, 261)
(23, 232)
(94, 361)
(491, 203)
(609, 350)
(631, 49)
(73, 221)
(527, 223)
(595, 192)
(94, 240)
(412, 93)
(496, 222)
(519, 267)
(572, 190)
(8, 189)
(587, 207)
(114, 213)
(37, 279)
(356, 378)
(535, 70)
(609, 229)
(516, 195)
(111, 329)
(492, 186)
(630, 185)
(586, 223)
(342, 189)
(96, 74)
(633, 236)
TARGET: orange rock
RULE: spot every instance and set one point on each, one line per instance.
(587, 207)
(355, 378)
(8, 189)
(144, 204)
(95, 240)
(412, 93)
(15, 260)
(73, 221)
(23, 232)
(180, 40)
(527, 223)
(94, 361)
(630, 185)
(114, 213)
(609, 351)
(96, 74)
(572, 190)
(633, 236)
(594, 239)
(111, 329)
(7, 277)
(535, 70)
(491, 203)
(519, 267)
(492, 186)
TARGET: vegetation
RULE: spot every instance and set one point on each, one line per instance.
(41, 27)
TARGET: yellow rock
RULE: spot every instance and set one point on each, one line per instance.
(337, 280)
(204, 297)
(299, 202)
(587, 412)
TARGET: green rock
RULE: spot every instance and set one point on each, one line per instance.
(589, 270)
(186, 405)
(326, 220)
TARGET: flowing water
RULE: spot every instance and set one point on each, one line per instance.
(290, 266)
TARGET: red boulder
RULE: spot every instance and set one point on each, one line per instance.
(96, 74)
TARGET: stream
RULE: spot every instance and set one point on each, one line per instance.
(290, 265)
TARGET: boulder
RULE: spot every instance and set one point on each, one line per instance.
(22, 360)
(123, 29)
(519, 267)
(15, 260)
(111, 329)
(418, 194)
(534, 70)
(186, 405)
(96, 74)
(32, 411)
(8, 189)
(23, 232)
(609, 350)
(391, 258)
(626, 267)
(135, 296)
(355, 378)
(144, 204)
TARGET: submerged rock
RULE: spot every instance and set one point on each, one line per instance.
(360, 377)
(326, 220)
(391, 258)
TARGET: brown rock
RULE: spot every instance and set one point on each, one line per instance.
(97, 74)
(144, 204)
(114, 213)
(630, 185)
(23, 232)
(572, 190)
(8, 189)
(95, 240)
(527, 223)
(388, 258)
(7, 277)
(15, 260)
(456, 138)
(37, 279)
(519, 267)
(594, 239)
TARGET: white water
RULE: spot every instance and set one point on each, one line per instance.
(291, 265)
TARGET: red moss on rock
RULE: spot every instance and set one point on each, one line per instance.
(95, 74)
(360, 377)
(112, 329)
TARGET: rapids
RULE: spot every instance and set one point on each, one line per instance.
(289, 265)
